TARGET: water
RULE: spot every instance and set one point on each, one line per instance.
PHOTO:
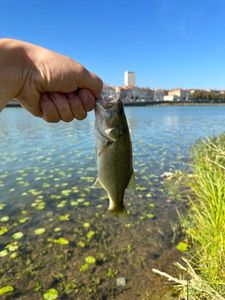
(45, 195)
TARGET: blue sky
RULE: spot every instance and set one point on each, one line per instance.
(168, 43)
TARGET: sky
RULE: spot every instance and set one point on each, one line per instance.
(167, 43)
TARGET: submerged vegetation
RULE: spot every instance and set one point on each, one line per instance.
(204, 224)
(57, 240)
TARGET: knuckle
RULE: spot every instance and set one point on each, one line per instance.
(81, 70)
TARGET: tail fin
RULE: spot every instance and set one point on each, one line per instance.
(120, 212)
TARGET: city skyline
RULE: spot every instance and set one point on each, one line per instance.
(168, 43)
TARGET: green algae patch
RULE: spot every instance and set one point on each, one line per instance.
(182, 246)
(39, 231)
(39, 204)
(149, 215)
(23, 220)
(51, 294)
(90, 260)
(73, 203)
(62, 204)
(6, 289)
(4, 219)
(86, 225)
(61, 241)
(66, 193)
(13, 255)
(81, 244)
(84, 267)
(3, 230)
(3, 253)
(12, 247)
(18, 235)
(64, 218)
(90, 234)
(2, 206)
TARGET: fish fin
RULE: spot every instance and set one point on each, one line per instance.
(116, 209)
(97, 184)
(122, 212)
(132, 182)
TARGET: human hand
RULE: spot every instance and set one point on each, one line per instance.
(53, 86)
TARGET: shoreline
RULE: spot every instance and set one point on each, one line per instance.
(168, 103)
(164, 103)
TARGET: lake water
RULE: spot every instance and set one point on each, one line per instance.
(55, 231)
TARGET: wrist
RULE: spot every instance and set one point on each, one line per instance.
(12, 63)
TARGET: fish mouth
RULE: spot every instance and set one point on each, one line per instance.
(108, 101)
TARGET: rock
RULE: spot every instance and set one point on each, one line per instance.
(121, 281)
(167, 175)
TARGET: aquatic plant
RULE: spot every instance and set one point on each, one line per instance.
(2, 206)
(81, 244)
(3, 230)
(39, 231)
(90, 234)
(6, 289)
(86, 225)
(51, 294)
(182, 246)
(4, 219)
(13, 246)
(3, 253)
(111, 273)
(17, 235)
(84, 267)
(61, 241)
(64, 217)
(90, 260)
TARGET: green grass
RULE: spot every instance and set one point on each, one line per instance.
(204, 222)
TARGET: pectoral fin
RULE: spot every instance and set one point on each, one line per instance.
(97, 184)
(132, 183)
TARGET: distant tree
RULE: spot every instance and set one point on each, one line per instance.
(204, 96)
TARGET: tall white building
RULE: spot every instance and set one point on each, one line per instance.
(129, 78)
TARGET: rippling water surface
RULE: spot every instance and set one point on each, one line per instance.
(55, 232)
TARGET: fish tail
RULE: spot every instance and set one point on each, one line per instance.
(122, 212)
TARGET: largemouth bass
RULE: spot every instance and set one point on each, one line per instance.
(114, 152)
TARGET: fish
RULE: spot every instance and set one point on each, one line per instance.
(113, 152)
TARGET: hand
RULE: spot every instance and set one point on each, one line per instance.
(51, 85)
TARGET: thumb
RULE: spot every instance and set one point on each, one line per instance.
(32, 106)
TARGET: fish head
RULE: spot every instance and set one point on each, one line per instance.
(110, 117)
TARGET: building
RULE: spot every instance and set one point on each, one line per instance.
(134, 94)
(179, 94)
(169, 98)
(129, 78)
(158, 95)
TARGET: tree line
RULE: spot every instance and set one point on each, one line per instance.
(205, 96)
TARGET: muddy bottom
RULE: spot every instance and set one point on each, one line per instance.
(82, 252)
